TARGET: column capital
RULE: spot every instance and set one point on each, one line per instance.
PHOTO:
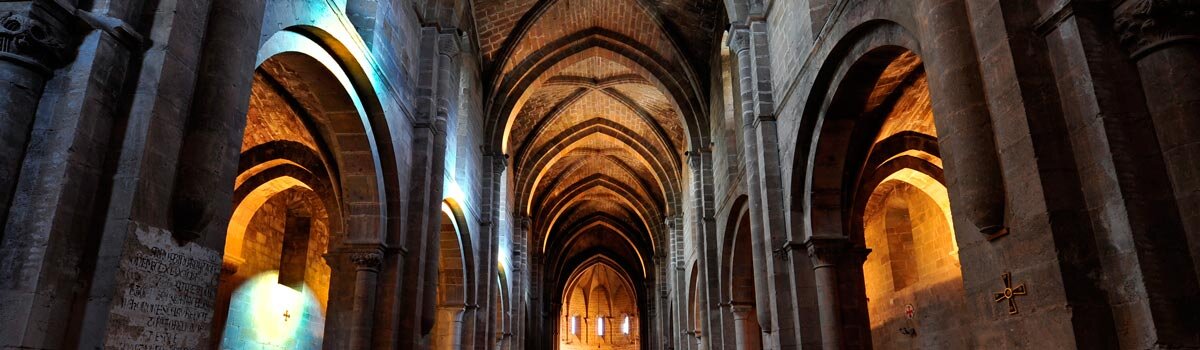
(499, 162)
(740, 309)
(1144, 25)
(739, 38)
(523, 221)
(37, 35)
(43, 34)
(826, 251)
(366, 260)
(364, 256)
(449, 42)
(230, 265)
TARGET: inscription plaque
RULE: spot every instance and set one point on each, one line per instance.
(165, 294)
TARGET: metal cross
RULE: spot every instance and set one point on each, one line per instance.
(1010, 293)
(286, 316)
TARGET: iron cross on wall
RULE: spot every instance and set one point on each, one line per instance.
(1010, 293)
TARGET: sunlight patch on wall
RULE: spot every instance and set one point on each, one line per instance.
(264, 314)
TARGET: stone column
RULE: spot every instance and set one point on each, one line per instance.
(33, 42)
(1163, 38)
(778, 311)
(455, 314)
(964, 124)
(49, 178)
(740, 314)
(825, 253)
(212, 140)
(437, 88)
(366, 263)
(523, 274)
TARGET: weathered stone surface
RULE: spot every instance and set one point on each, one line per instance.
(737, 174)
(165, 293)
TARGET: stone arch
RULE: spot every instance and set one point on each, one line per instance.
(733, 227)
(454, 282)
(742, 288)
(319, 151)
(614, 226)
(856, 62)
(599, 298)
(504, 309)
(513, 87)
(695, 309)
(737, 10)
(533, 15)
(345, 124)
(872, 134)
(558, 209)
(666, 175)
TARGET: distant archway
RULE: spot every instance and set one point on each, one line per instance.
(600, 309)
(742, 291)
(452, 273)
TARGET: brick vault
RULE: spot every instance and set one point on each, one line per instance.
(599, 174)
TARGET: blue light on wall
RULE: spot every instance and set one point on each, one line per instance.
(264, 314)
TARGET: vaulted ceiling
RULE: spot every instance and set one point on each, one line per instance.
(596, 103)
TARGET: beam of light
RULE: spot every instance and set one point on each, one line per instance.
(266, 314)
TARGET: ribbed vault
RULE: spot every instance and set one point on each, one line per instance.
(596, 102)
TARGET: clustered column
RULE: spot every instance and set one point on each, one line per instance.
(778, 314)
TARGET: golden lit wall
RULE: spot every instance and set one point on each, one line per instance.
(271, 117)
(598, 291)
(263, 243)
(279, 231)
(908, 227)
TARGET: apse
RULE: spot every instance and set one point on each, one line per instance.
(599, 311)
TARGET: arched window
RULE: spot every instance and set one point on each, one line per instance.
(575, 325)
(600, 326)
(625, 325)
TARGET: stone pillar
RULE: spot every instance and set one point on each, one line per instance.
(437, 88)
(33, 42)
(50, 139)
(778, 311)
(366, 263)
(825, 254)
(212, 140)
(1163, 38)
(27, 60)
(713, 322)
(523, 275)
(964, 124)
(455, 314)
(741, 313)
